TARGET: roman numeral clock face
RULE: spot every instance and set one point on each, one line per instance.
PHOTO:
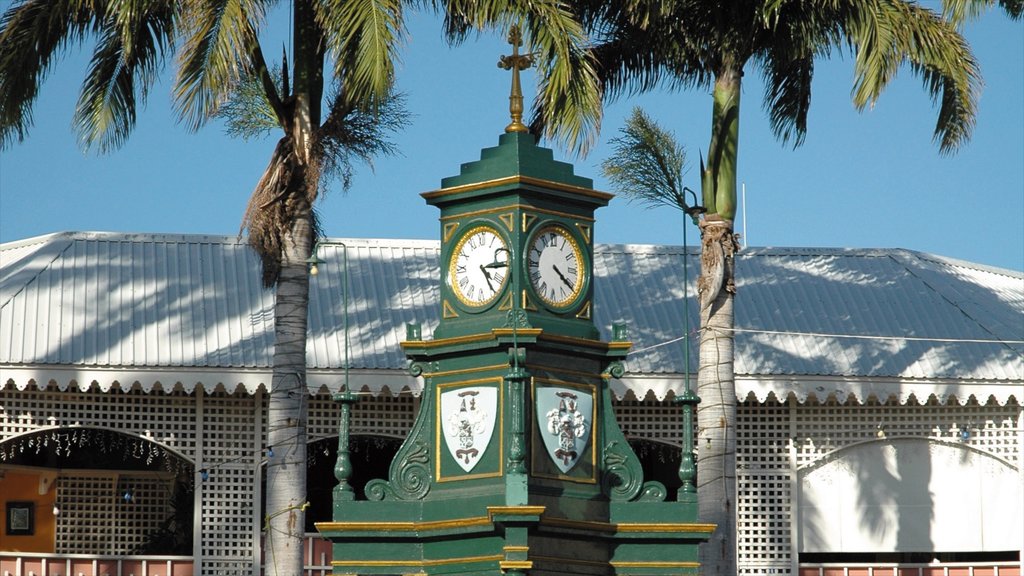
(475, 278)
(556, 266)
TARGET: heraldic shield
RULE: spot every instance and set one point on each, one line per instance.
(564, 421)
(467, 421)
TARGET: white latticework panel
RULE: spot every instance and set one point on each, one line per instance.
(377, 415)
(650, 419)
(763, 505)
(821, 429)
(168, 419)
(232, 452)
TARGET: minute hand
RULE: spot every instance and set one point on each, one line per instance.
(562, 276)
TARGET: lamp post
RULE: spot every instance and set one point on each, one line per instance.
(689, 400)
(343, 465)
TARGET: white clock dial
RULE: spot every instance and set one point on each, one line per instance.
(556, 266)
(474, 278)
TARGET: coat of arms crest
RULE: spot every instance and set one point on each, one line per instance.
(467, 420)
(566, 424)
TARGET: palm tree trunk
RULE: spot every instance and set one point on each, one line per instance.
(285, 521)
(716, 416)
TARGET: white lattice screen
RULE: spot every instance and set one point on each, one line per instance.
(377, 415)
(217, 433)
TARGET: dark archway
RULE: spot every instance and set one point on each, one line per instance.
(660, 462)
(371, 458)
(150, 485)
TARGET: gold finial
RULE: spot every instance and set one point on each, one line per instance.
(515, 62)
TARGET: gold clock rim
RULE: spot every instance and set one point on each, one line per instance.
(453, 257)
(581, 261)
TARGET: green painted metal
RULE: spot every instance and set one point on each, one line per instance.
(515, 463)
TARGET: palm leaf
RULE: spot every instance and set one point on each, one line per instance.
(219, 38)
(364, 36)
(32, 34)
(646, 164)
(128, 56)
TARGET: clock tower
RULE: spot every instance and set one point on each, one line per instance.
(515, 464)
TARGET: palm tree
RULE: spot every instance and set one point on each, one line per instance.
(326, 100)
(642, 45)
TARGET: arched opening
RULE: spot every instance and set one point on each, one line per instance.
(660, 462)
(96, 491)
(371, 457)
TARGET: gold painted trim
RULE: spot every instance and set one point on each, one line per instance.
(403, 526)
(625, 564)
(515, 564)
(535, 332)
(461, 371)
(449, 229)
(418, 563)
(423, 344)
(584, 312)
(528, 220)
(523, 207)
(515, 510)
(526, 304)
(506, 304)
(498, 432)
(447, 311)
(509, 220)
(516, 548)
(584, 230)
(675, 527)
(517, 179)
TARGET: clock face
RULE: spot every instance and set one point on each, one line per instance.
(556, 266)
(472, 275)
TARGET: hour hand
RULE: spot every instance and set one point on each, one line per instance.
(487, 277)
(562, 276)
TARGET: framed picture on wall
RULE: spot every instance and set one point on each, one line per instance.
(21, 518)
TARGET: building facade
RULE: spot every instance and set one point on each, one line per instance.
(879, 424)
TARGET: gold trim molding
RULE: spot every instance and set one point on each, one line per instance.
(517, 179)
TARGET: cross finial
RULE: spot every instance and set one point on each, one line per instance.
(515, 62)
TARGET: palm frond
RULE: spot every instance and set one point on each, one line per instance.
(32, 34)
(891, 33)
(353, 132)
(248, 112)
(646, 164)
(129, 54)
(960, 11)
(365, 37)
(219, 37)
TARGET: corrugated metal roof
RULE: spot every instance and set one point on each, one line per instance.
(112, 302)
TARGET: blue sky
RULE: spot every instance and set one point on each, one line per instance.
(861, 180)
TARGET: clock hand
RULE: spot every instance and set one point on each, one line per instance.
(562, 276)
(487, 276)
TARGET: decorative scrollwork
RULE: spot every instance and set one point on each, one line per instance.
(653, 491)
(415, 368)
(623, 477)
(616, 369)
(378, 489)
(409, 478)
(516, 319)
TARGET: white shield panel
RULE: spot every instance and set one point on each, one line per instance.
(564, 419)
(467, 421)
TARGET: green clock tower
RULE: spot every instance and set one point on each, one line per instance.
(515, 464)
